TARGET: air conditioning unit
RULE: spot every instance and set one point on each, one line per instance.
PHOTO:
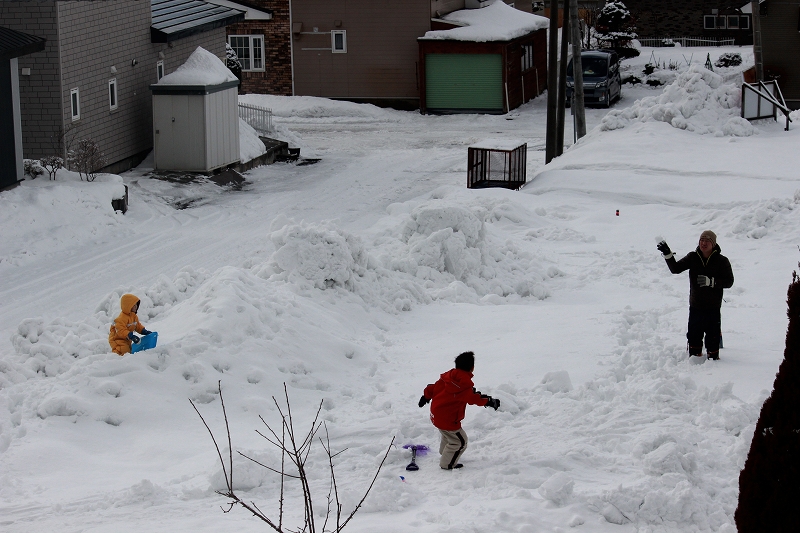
(477, 4)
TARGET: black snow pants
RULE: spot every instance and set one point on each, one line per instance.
(704, 322)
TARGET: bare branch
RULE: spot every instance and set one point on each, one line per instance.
(388, 449)
(219, 453)
(267, 467)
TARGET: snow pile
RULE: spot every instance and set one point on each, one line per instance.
(200, 68)
(32, 215)
(696, 101)
(50, 349)
(250, 146)
(314, 108)
(438, 251)
(497, 22)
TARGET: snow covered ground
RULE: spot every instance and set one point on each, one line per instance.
(358, 279)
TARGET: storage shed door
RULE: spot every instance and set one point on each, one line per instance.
(464, 82)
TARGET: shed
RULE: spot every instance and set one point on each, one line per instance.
(195, 116)
(486, 60)
(13, 44)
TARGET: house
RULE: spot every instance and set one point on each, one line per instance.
(13, 44)
(707, 19)
(780, 47)
(356, 50)
(92, 78)
(488, 60)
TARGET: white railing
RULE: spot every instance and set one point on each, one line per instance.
(685, 41)
(259, 118)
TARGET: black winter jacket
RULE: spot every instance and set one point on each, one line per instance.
(716, 266)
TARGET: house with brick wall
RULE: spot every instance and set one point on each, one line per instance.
(92, 79)
(356, 50)
(707, 19)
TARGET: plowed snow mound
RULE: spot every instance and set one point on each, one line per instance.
(696, 101)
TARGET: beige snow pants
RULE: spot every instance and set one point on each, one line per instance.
(451, 447)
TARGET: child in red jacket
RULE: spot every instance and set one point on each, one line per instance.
(450, 395)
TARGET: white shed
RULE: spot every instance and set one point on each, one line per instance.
(195, 116)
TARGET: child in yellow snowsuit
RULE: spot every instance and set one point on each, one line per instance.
(120, 336)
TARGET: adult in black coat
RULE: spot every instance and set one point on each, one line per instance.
(709, 273)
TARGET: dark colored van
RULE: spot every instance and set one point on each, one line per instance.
(602, 82)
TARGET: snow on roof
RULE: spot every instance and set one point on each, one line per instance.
(201, 68)
(497, 22)
(498, 144)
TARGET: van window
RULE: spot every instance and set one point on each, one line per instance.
(593, 67)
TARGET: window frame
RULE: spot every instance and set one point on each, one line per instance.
(744, 22)
(722, 22)
(251, 50)
(731, 18)
(706, 19)
(75, 103)
(113, 95)
(526, 60)
(343, 49)
(159, 69)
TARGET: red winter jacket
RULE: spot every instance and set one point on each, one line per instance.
(450, 396)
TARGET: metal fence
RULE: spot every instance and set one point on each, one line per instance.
(657, 42)
(259, 118)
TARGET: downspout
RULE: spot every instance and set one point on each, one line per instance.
(63, 127)
(291, 45)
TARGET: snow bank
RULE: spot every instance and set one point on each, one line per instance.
(200, 68)
(313, 108)
(32, 215)
(696, 101)
(438, 251)
(497, 22)
(250, 146)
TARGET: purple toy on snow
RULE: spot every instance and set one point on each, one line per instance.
(416, 449)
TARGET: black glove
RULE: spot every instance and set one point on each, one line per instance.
(663, 247)
(705, 281)
(134, 339)
(423, 401)
(494, 403)
(145, 332)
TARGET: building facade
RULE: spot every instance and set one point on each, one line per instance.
(92, 80)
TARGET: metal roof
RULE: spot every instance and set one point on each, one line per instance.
(15, 44)
(176, 19)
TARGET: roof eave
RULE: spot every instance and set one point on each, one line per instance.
(159, 36)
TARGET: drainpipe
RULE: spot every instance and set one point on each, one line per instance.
(757, 54)
(291, 44)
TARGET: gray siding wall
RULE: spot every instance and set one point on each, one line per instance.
(780, 41)
(85, 39)
(40, 100)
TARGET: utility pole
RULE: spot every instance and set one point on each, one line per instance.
(562, 81)
(578, 108)
(552, 84)
(757, 55)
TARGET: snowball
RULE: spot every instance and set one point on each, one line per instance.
(557, 381)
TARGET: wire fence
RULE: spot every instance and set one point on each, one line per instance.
(259, 118)
(657, 42)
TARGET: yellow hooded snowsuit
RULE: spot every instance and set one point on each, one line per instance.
(125, 323)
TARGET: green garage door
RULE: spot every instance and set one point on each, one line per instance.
(464, 82)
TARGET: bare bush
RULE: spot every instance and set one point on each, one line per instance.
(52, 163)
(296, 450)
(86, 158)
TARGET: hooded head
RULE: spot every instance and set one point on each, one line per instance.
(466, 361)
(127, 302)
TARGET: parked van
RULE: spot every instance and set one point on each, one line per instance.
(602, 82)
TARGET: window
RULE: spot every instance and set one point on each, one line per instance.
(250, 51)
(744, 23)
(159, 70)
(709, 22)
(112, 94)
(733, 22)
(721, 23)
(527, 57)
(75, 103)
(339, 41)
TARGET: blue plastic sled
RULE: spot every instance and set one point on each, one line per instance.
(147, 342)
